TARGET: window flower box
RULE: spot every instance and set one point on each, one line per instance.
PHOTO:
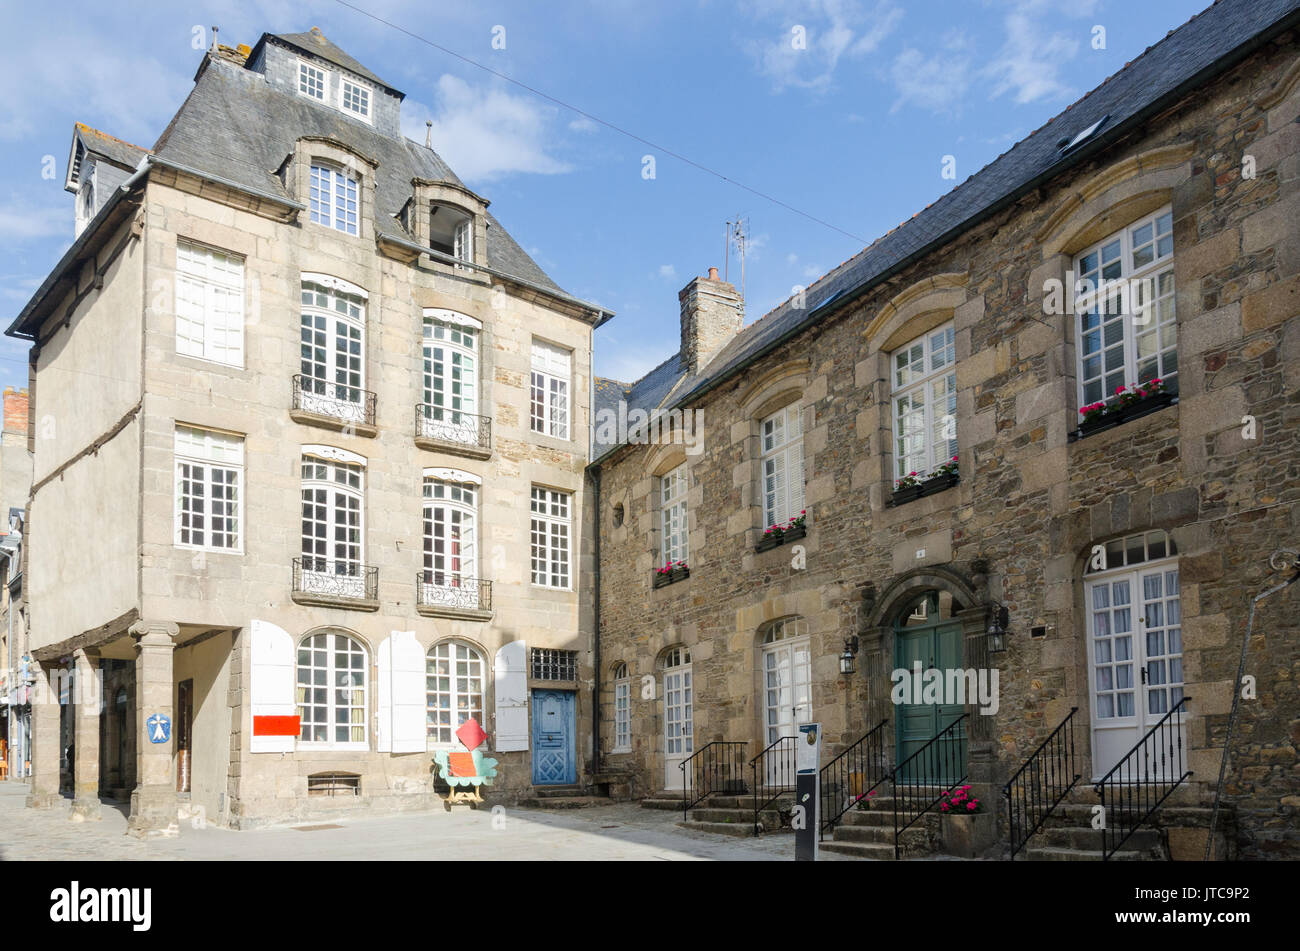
(911, 487)
(1132, 403)
(777, 535)
(669, 574)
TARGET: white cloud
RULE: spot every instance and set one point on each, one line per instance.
(937, 83)
(832, 30)
(583, 124)
(667, 271)
(486, 133)
(1029, 63)
(21, 221)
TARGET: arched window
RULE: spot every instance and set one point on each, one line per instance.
(923, 377)
(333, 556)
(679, 715)
(333, 352)
(333, 199)
(451, 231)
(622, 709)
(450, 397)
(787, 677)
(782, 444)
(332, 678)
(454, 688)
(1126, 323)
(450, 574)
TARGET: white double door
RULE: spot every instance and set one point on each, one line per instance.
(1135, 666)
(787, 696)
(679, 727)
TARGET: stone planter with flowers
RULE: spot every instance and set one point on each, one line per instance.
(966, 829)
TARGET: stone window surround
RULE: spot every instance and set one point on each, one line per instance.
(662, 460)
(311, 150)
(425, 192)
(781, 387)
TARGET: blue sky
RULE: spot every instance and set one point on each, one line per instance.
(851, 129)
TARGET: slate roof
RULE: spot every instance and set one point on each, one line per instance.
(314, 41)
(236, 126)
(113, 149)
(1209, 43)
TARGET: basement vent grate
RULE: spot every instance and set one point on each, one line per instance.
(334, 784)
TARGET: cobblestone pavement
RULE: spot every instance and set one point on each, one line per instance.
(622, 831)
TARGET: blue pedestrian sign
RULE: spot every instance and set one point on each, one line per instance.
(160, 728)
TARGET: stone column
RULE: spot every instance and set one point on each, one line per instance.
(44, 750)
(87, 702)
(153, 802)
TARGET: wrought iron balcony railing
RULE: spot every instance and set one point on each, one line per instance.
(442, 589)
(453, 427)
(327, 578)
(348, 404)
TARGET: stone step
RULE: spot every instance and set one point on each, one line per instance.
(879, 817)
(660, 802)
(861, 850)
(562, 802)
(1049, 854)
(713, 814)
(557, 792)
(913, 840)
(721, 828)
(1089, 839)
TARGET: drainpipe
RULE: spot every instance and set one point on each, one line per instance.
(1278, 561)
(595, 622)
(138, 174)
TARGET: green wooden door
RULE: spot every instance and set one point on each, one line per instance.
(934, 646)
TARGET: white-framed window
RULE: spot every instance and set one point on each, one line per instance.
(332, 679)
(549, 403)
(782, 466)
(209, 482)
(672, 504)
(622, 709)
(333, 198)
(550, 537)
(451, 231)
(1127, 331)
(354, 98)
(333, 553)
(450, 404)
(312, 81)
(209, 304)
(454, 685)
(450, 575)
(332, 352)
(923, 377)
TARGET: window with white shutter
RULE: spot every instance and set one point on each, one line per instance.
(924, 381)
(209, 304)
(271, 686)
(549, 390)
(782, 466)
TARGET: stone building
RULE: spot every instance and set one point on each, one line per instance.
(15, 484)
(301, 406)
(921, 427)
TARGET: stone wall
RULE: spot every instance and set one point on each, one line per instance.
(1031, 501)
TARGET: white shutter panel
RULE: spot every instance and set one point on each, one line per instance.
(384, 695)
(272, 684)
(408, 699)
(796, 477)
(511, 675)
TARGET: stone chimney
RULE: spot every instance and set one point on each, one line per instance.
(15, 411)
(712, 312)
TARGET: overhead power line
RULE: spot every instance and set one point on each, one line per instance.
(609, 125)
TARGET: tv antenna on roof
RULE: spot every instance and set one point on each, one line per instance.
(737, 232)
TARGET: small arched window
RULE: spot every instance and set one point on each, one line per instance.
(334, 198)
(454, 685)
(332, 675)
(785, 628)
(451, 231)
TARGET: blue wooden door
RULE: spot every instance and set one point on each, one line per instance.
(555, 758)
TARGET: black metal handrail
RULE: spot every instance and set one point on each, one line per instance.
(852, 776)
(772, 772)
(715, 767)
(445, 589)
(1038, 786)
(335, 579)
(453, 427)
(942, 759)
(1137, 785)
(349, 404)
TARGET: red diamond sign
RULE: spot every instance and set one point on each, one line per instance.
(471, 734)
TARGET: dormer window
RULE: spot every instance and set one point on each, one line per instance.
(451, 231)
(355, 98)
(333, 198)
(311, 81)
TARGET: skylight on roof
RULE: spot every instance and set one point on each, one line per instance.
(1067, 145)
